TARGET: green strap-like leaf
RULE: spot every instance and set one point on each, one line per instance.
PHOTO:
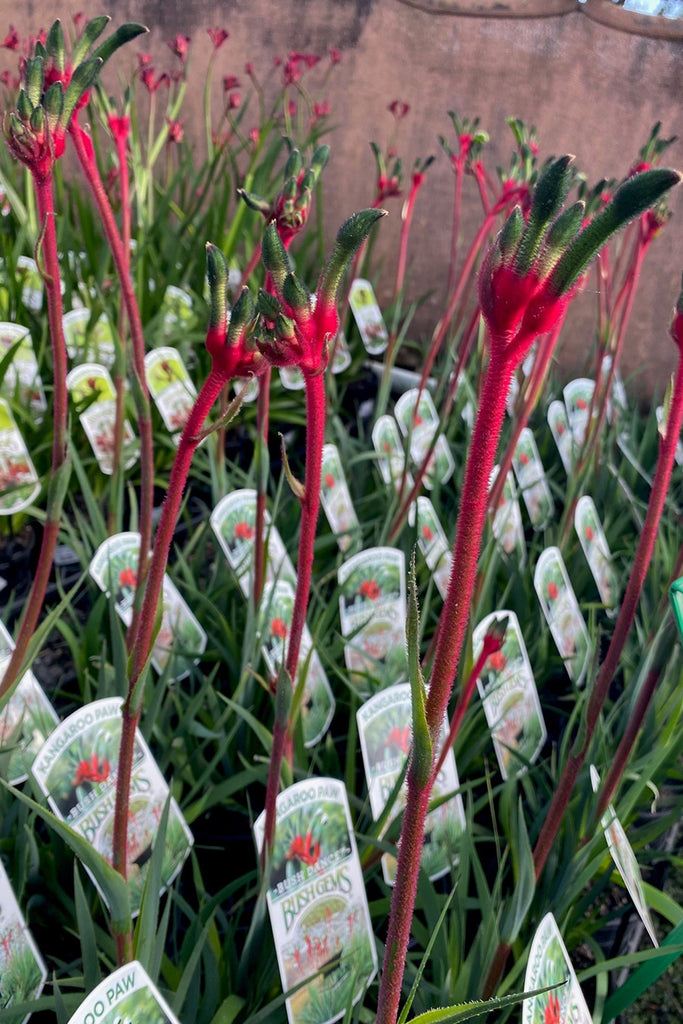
(92, 31)
(421, 765)
(465, 1011)
(123, 35)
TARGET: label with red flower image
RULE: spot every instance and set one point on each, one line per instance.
(21, 380)
(532, 481)
(509, 696)
(22, 971)
(433, 544)
(391, 458)
(275, 620)
(26, 720)
(125, 996)
(76, 769)
(384, 730)
(180, 640)
(292, 378)
(32, 286)
(317, 903)
(336, 499)
(420, 423)
(368, 317)
(562, 434)
(19, 483)
(177, 311)
(372, 608)
(549, 964)
(578, 396)
(561, 609)
(171, 388)
(89, 340)
(617, 407)
(625, 860)
(507, 519)
(94, 399)
(596, 549)
(234, 523)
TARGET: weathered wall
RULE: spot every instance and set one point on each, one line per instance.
(590, 90)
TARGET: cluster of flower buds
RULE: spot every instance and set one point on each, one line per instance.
(388, 181)
(470, 139)
(531, 271)
(291, 207)
(297, 328)
(230, 338)
(53, 89)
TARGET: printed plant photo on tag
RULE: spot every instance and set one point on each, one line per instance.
(233, 522)
(19, 483)
(21, 381)
(171, 388)
(76, 770)
(617, 407)
(419, 425)
(335, 498)
(384, 730)
(549, 964)
(248, 387)
(391, 458)
(433, 545)
(625, 859)
(94, 399)
(316, 902)
(32, 286)
(594, 544)
(509, 696)
(532, 480)
(562, 434)
(578, 396)
(292, 378)
(177, 311)
(340, 353)
(561, 609)
(127, 995)
(372, 608)
(275, 620)
(86, 342)
(410, 416)
(507, 520)
(366, 313)
(180, 640)
(26, 720)
(22, 970)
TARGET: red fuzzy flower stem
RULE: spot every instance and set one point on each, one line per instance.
(459, 169)
(50, 265)
(407, 219)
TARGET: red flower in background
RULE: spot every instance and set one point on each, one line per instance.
(179, 46)
(11, 41)
(217, 36)
(399, 109)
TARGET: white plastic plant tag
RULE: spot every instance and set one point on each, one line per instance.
(661, 425)
(181, 640)
(549, 964)
(372, 608)
(94, 399)
(275, 621)
(532, 480)
(26, 721)
(594, 544)
(22, 380)
(420, 424)
(562, 434)
(509, 696)
(411, 416)
(31, 283)
(171, 387)
(618, 405)
(292, 378)
(336, 499)
(177, 310)
(511, 399)
(248, 385)
(561, 609)
(578, 396)
(433, 545)
(76, 769)
(625, 860)
(19, 483)
(125, 997)
(507, 519)
(22, 970)
(390, 456)
(340, 358)
(87, 344)
(366, 313)
(234, 523)
(384, 731)
(317, 903)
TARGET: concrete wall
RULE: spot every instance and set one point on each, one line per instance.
(589, 89)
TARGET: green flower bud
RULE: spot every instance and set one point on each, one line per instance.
(54, 44)
(217, 272)
(349, 238)
(268, 305)
(241, 318)
(274, 256)
(293, 165)
(295, 294)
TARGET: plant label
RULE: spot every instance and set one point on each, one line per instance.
(594, 544)
(562, 434)
(247, 386)
(125, 997)
(88, 342)
(22, 971)
(336, 499)
(507, 519)
(275, 620)
(372, 608)
(366, 313)
(26, 720)
(340, 353)
(177, 311)
(76, 769)
(661, 425)
(292, 378)
(19, 483)
(390, 455)
(31, 283)
(234, 523)
(317, 903)
(180, 640)
(549, 964)
(419, 424)
(94, 399)
(171, 388)
(385, 733)
(532, 481)
(434, 545)
(561, 609)
(618, 404)
(509, 696)
(22, 381)
(578, 396)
